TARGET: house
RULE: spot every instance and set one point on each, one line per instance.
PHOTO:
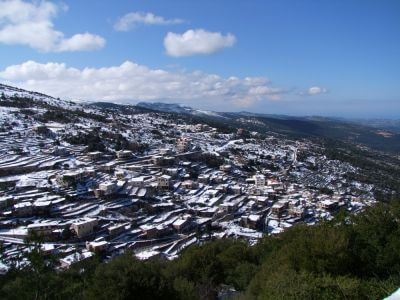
(212, 193)
(137, 182)
(236, 189)
(203, 178)
(164, 181)
(189, 184)
(183, 145)
(171, 171)
(225, 168)
(252, 221)
(229, 207)
(259, 180)
(116, 229)
(108, 167)
(95, 155)
(124, 154)
(90, 172)
(97, 246)
(297, 212)
(70, 178)
(328, 204)
(181, 224)
(157, 159)
(23, 209)
(279, 207)
(6, 201)
(120, 174)
(168, 161)
(150, 231)
(84, 227)
(107, 187)
(74, 258)
(106, 190)
(166, 151)
(42, 229)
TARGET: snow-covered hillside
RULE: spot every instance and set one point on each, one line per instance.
(7, 91)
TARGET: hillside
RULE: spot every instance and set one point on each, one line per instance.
(378, 136)
(110, 201)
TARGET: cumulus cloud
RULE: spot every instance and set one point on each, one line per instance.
(133, 82)
(132, 19)
(30, 24)
(198, 41)
(315, 90)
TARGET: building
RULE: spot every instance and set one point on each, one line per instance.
(42, 229)
(137, 182)
(236, 189)
(203, 178)
(95, 155)
(124, 154)
(117, 229)
(229, 207)
(225, 168)
(252, 221)
(279, 207)
(84, 227)
(70, 178)
(23, 209)
(259, 180)
(171, 171)
(189, 184)
(107, 187)
(164, 181)
(120, 174)
(181, 224)
(74, 258)
(297, 212)
(157, 159)
(97, 246)
(328, 204)
(183, 145)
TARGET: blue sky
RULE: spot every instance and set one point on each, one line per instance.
(334, 58)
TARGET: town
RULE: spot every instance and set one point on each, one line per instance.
(153, 183)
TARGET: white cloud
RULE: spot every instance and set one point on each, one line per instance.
(315, 90)
(30, 24)
(83, 42)
(198, 41)
(130, 20)
(132, 82)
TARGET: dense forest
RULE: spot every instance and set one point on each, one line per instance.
(351, 257)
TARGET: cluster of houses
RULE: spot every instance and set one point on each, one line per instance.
(193, 184)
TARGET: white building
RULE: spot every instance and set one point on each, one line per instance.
(84, 227)
(259, 180)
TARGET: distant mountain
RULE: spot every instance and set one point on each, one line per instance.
(177, 108)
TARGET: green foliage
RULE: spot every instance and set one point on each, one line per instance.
(128, 278)
(92, 140)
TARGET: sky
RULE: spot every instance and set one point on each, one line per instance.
(296, 57)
